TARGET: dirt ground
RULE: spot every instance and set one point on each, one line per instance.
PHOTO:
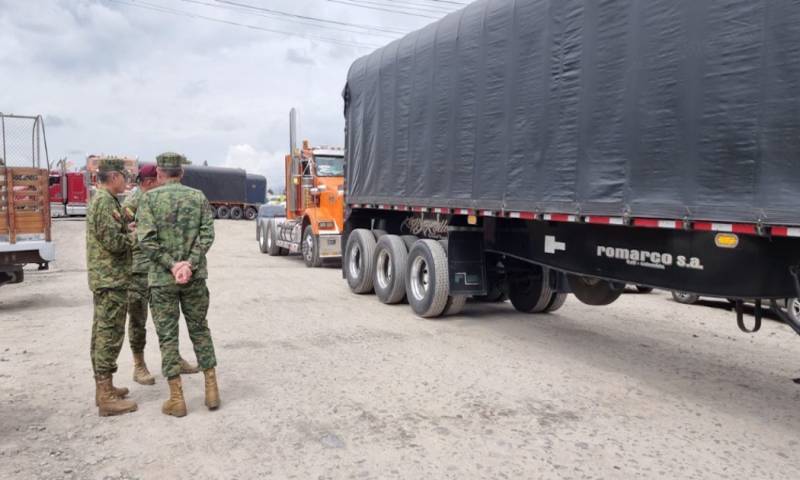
(319, 383)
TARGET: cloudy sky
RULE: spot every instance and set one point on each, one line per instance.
(138, 77)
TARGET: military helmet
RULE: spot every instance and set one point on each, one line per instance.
(111, 164)
(170, 160)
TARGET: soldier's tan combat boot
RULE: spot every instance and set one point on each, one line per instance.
(141, 374)
(187, 368)
(212, 390)
(118, 392)
(175, 405)
(108, 403)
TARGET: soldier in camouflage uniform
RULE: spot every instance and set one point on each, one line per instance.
(138, 289)
(175, 229)
(108, 243)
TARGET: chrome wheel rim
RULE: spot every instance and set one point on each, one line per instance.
(354, 265)
(420, 278)
(384, 269)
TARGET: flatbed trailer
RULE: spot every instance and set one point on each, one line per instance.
(534, 148)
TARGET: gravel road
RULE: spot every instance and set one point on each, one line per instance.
(319, 383)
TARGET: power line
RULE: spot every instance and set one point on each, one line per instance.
(305, 17)
(182, 13)
(410, 5)
(265, 14)
(352, 3)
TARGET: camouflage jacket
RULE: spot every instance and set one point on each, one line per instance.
(174, 223)
(139, 261)
(108, 243)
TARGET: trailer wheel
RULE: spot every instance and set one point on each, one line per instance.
(223, 212)
(643, 289)
(427, 282)
(358, 260)
(390, 269)
(236, 212)
(213, 211)
(272, 240)
(689, 298)
(494, 295)
(793, 307)
(532, 293)
(594, 291)
(557, 301)
(263, 238)
(455, 304)
(250, 213)
(409, 240)
(310, 248)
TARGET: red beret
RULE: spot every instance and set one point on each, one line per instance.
(148, 170)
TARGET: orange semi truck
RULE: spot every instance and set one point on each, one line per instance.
(314, 204)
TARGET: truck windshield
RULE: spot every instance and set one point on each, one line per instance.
(328, 166)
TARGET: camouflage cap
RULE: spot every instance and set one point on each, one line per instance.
(170, 160)
(111, 165)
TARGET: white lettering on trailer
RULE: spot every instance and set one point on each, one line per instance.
(649, 259)
(551, 245)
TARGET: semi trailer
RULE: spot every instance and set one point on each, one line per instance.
(314, 215)
(540, 148)
(232, 192)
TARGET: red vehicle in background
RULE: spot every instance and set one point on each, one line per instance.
(70, 191)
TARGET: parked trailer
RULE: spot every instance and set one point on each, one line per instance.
(25, 236)
(540, 147)
(232, 192)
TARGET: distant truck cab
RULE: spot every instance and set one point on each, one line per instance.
(314, 204)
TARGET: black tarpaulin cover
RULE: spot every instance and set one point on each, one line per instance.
(651, 108)
(219, 184)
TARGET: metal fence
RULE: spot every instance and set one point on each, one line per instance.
(23, 142)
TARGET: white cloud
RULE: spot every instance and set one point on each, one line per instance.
(269, 164)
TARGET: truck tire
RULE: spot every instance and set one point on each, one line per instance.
(494, 295)
(427, 282)
(409, 240)
(359, 254)
(213, 211)
(272, 240)
(531, 294)
(455, 304)
(263, 238)
(236, 212)
(556, 302)
(310, 248)
(250, 213)
(793, 308)
(390, 269)
(688, 298)
(223, 212)
(643, 289)
(594, 291)
(379, 233)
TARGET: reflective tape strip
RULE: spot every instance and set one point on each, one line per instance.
(559, 217)
(655, 223)
(606, 220)
(486, 213)
(742, 228)
(786, 231)
(464, 211)
(441, 210)
(402, 208)
(419, 209)
(522, 215)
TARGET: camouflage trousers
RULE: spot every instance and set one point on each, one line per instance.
(108, 329)
(166, 304)
(137, 312)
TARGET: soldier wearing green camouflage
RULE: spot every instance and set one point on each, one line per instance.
(175, 229)
(108, 243)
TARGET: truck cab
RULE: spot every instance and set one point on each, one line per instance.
(314, 207)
